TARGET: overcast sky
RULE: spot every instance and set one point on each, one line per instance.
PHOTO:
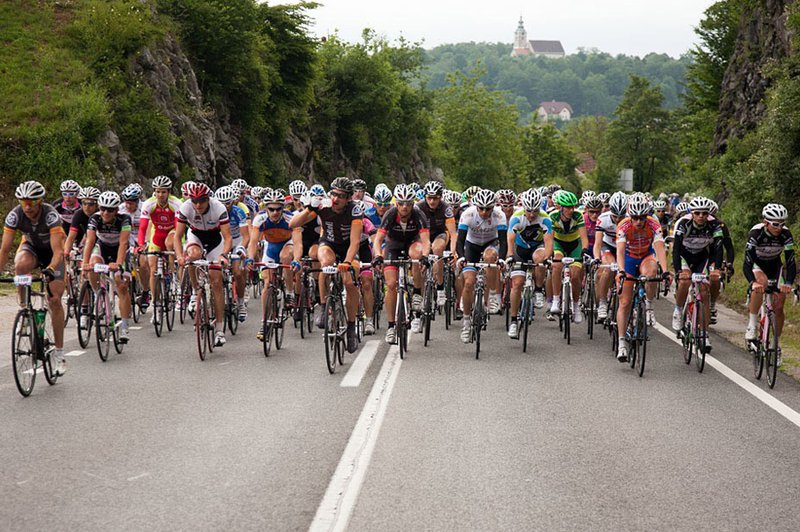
(634, 27)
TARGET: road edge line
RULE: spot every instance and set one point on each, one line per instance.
(360, 365)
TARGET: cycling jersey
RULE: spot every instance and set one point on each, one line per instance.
(437, 218)
(695, 246)
(591, 229)
(250, 207)
(135, 221)
(108, 235)
(638, 243)
(207, 224)
(530, 234)
(157, 222)
(763, 251)
(480, 231)
(80, 221)
(276, 234)
(606, 225)
(37, 233)
(66, 212)
(566, 231)
(400, 234)
(311, 232)
(336, 226)
(238, 219)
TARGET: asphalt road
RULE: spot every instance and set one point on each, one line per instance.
(562, 437)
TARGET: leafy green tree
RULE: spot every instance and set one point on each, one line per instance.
(550, 157)
(641, 136)
(587, 134)
(476, 134)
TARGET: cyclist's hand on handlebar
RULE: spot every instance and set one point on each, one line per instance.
(667, 276)
(295, 265)
(113, 266)
(509, 261)
(786, 289)
(49, 273)
(757, 287)
(501, 263)
(377, 261)
(343, 267)
(248, 263)
(223, 261)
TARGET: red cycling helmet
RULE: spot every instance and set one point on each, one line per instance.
(199, 190)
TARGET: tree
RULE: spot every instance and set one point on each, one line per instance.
(640, 137)
(476, 136)
(587, 134)
(549, 156)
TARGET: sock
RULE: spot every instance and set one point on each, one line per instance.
(351, 325)
(677, 308)
(513, 319)
(124, 323)
(647, 304)
(557, 299)
(753, 320)
(622, 340)
(603, 302)
(391, 324)
(58, 352)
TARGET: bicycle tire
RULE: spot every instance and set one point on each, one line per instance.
(185, 295)
(233, 324)
(278, 311)
(85, 335)
(48, 345)
(758, 358)
(772, 352)
(115, 326)
(506, 306)
(631, 336)
(330, 338)
(302, 309)
(401, 324)
(641, 356)
(23, 358)
(158, 308)
(135, 293)
(341, 345)
(566, 311)
(525, 317)
(102, 327)
(699, 339)
(267, 323)
(169, 314)
(200, 323)
(428, 312)
(477, 322)
(589, 309)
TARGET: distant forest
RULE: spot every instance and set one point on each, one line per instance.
(592, 82)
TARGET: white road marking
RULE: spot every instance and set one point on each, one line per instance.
(760, 394)
(137, 477)
(340, 498)
(135, 328)
(360, 365)
(24, 481)
(224, 363)
(74, 353)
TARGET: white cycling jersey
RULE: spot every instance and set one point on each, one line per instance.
(215, 216)
(480, 231)
(607, 226)
(135, 216)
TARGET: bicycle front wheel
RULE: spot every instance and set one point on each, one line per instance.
(699, 338)
(23, 352)
(48, 346)
(169, 303)
(158, 308)
(642, 340)
(772, 352)
(401, 325)
(85, 308)
(331, 336)
(279, 313)
(201, 323)
(102, 326)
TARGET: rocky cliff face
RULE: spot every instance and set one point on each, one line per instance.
(763, 37)
(207, 146)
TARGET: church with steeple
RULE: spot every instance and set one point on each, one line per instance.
(523, 47)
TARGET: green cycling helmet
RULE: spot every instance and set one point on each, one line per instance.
(565, 198)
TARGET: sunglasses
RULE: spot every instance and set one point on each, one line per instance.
(776, 225)
(89, 203)
(199, 200)
(389, 204)
(340, 195)
(700, 213)
(274, 209)
(28, 202)
(405, 203)
(638, 218)
(69, 194)
(532, 211)
(108, 209)
(485, 209)
(593, 211)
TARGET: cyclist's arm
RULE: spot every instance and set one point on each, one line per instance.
(716, 251)
(727, 243)
(661, 254)
(297, 244)
(91, 239)
(621, 242)
(548, 245)
(378, 245)
(451, 229)
(597, 249)
(425, 239)
(749, 260)
(5, 247)
(584, 237)
(355, 240)
(70, 241)
(460, 241)
(180, 232)
(511, 237)
(124, 237)
(790, 270)
(252, 246)
(301, 218)
(227, 241)
(57, 245)
(244, 230)
(677, 249)
(141, 237)
(502, 235)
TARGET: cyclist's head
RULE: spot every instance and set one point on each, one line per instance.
(566, 200)
(775, 216)
(383, 197)
(185, 188)
(226, 195)
(109, 203)
(70, 190)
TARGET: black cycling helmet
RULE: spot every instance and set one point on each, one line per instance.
(343, 183)
(359, 184)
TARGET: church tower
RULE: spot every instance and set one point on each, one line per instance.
(521, 44)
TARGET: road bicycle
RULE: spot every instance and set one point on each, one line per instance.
(274, 312)
(449, 278)
(32, 341)
(428, 314)
(335, 337)
(637, 334)
(163, 292)
(72, 277)
(480, 315)
(565, 316)
(106, 320)
(305, 301)
(527, 305)
(693, 333)
(402, 312)
(588, 303)
(765, 348)
(203, 308)
(379, 294)
(230, 321)
(610, 321)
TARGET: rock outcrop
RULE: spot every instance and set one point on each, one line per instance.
(762, 38)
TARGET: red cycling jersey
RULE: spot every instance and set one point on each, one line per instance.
(639, 242)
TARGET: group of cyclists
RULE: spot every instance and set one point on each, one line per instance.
(495, 236)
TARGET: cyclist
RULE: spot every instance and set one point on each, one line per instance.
(640, 249)
(342, 225)
(442, 230)
(240, 238)
(507, 201)
(360, 192)
(482, 230)
(762, 263)
(132, 206)
(208, 234)
(660, 208)
(604, 198)
(80, 220)
(728, 257)
(69, 204)
(530, 238)
(697, 248)
(42, 246)
(383, 202)
(606, 248)
(107, 239)
(592, 208)
(185, 190)
(157, 227)
(309, 238)
(569, 240)
(272, 226)
(406, 230)
(243, 199)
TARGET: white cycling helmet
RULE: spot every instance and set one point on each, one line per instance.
(681, 208)
(714, 208)
(297, 187)
(89, 193)
(586, 195)
(383, 195)
(452, 197)
(484, 198)
(638, 205)
(434, 188)
(109, 200)
(274, 196)
(775, 212)
(618, 203)
(70, 186)
(239, 184)
(161, 181)
(225, 194)
(404, 192)
(659, 205)
(257, 193)
(532, 200)
(29, 190)
(700, 204)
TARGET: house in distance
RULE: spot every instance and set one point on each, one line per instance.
(524, 47)
(548, 111)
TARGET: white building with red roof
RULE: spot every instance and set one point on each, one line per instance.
(523, 47)
(554, 111)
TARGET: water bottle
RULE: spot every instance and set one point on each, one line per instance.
(38, 317)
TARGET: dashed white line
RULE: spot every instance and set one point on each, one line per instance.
(340, 498)
(135, 327)
(769, 400)
(137, 477)
(361, 364)
(74, 353)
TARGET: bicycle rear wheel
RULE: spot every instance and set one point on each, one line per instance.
(87, 295)
(566, 312)
(48, 345)
(331, 336)
(524, 319)
(428, 310)
(159, 308)
(589, 310)
(185, 295)
(699, 338)
(477, 322)
(401, 325)
(23, 352)
(278, 311)
(136, 295)
(169, 302)
(632, 338)
(772, 352)
(102, 326)
(200, 323)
